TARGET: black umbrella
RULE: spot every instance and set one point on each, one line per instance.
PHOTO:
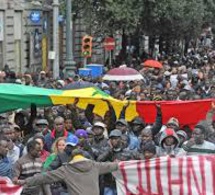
(78, 85)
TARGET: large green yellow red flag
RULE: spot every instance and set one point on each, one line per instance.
(13, 96)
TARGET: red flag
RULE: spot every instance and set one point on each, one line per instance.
(8, 188)
(187, 112)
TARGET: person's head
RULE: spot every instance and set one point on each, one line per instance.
(81, 134)
(137, 125)
(72, 142)
(149, 150)
(198, 135)
(125, 141)
(9, 132)
(173, 123)
(42, 74)
(115, 138)
(78, 152)
(121, 125)
(34, 149)
(18, 131)
(182, 135)
(59, 145)
(41, 125)
(59, 124)
(40, 139)
(68, 124)
(169, 141)
(98, 129)
(169, 138)
(3, 146)
(28, 78)
(146, 134)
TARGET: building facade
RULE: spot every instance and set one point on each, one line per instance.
(24, 35)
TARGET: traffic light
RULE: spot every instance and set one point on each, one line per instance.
(87, 46)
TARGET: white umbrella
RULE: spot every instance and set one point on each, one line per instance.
(122, 73)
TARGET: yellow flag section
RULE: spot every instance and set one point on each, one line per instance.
(96, 97)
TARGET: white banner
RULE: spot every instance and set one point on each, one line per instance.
(167, 176)
(8, 188)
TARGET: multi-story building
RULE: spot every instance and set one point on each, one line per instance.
(24, 35)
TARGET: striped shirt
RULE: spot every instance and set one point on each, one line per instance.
(26, 167)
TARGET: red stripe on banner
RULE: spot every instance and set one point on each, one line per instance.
(190, 169)
(158, 176)
(182, 110)
(148, 175)
(212, 160)
(125, 180)
(169, 175)
(202, 170)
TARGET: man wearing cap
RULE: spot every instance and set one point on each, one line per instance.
(41, 126)
(84, 144)
(113, 153)
(122, 125)
(42, 81)
(99, 142)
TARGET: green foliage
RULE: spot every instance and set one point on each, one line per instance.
(173, 18)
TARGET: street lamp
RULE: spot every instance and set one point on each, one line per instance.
(69, 63)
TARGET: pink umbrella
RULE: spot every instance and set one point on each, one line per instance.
(122, 73)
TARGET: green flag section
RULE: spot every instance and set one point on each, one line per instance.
(14, 96)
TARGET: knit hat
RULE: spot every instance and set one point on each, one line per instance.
(173, 121)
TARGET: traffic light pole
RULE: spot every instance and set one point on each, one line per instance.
(69, 63)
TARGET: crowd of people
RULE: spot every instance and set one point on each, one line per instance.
(49, 150)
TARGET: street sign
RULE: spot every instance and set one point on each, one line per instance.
(109, 43)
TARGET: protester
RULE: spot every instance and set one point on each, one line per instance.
(41, 140)
(27, 166)
(197, 145)
(5, 163)
(169, 143)
(148, 150)
(80, 175)
(58, 131)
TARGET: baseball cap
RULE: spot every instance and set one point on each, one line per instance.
(42, 122)
(115, 133)
(99, 124)
(16, 127)
(72, 140)
(122, 121)
(81, 133)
